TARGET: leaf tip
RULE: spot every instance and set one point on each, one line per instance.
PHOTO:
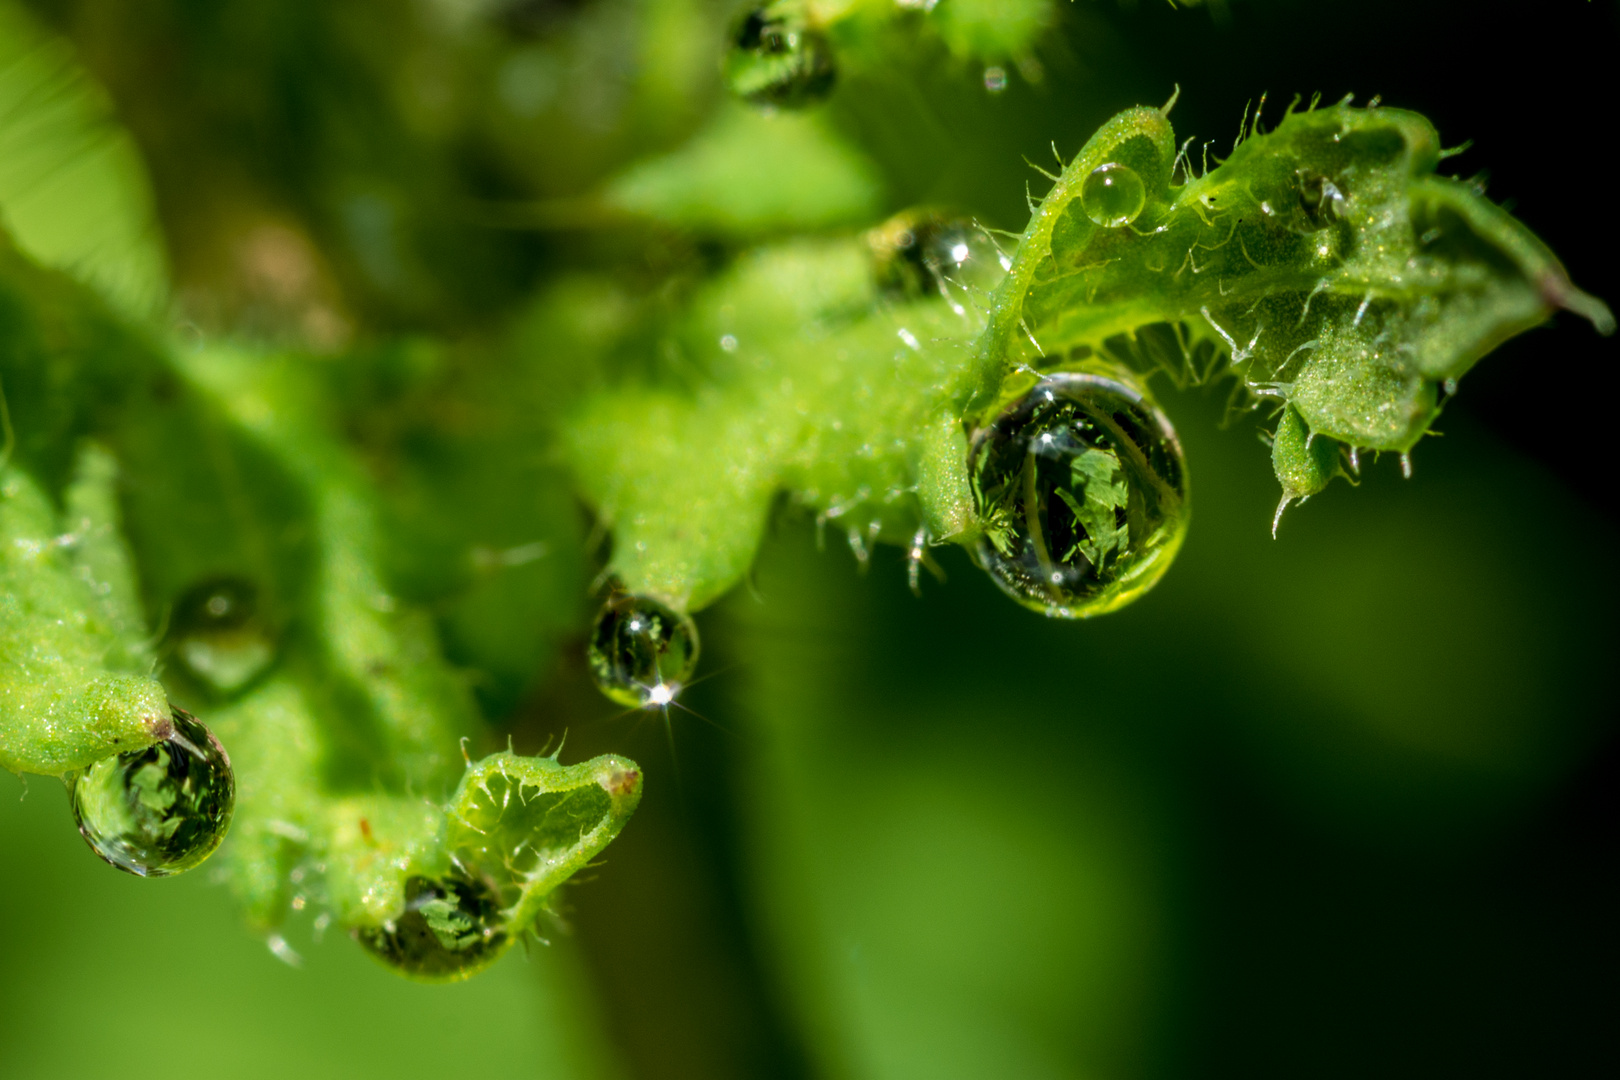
(1559, 292)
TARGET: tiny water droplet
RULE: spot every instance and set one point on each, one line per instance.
(641, 651)
(995, 79)
(923, 252)
(1082, 492)
(159, 810)
(451, 929)
(778, 57)
(1113, 195)
(219, 637)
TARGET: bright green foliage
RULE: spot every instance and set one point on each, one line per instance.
(75, 683)
(344, 751)
(1325, 260)
(749, 173)
(992, 29)
(528, 824)
(1304, 463)
(806, 380)
(1324, 264)
(72, 189)
(524, 825)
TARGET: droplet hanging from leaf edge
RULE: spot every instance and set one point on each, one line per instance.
(641, 651)
(160, 810)
(1080, 486)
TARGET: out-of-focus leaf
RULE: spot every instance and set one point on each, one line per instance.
(750, 173)
(73, 189)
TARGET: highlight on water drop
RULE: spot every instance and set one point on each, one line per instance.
(1081, 489)
(1113, 195)
(219, 636)
(778, 56)
(926, 252)
(451, 929)
(641, 651)
(160, 810)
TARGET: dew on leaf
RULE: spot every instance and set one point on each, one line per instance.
(921, 252)
(159, 810)
(451, 929)
(219, 636)
(778, 57)
(1081, 489)
(641, 651)
(1113, 195)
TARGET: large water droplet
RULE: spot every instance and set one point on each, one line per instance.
(924, 252)
(219, 637)
(159, 810)
(1082, 492)
(641, 651)
(451, 929)
(1113, 195)
(778, 57)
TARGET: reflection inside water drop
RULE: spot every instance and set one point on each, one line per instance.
(923, 252)
(1113, 195)
(451, 929)
(1081, 488)
(778, 57)
(219, 637)
(641, 651)
(159, 810)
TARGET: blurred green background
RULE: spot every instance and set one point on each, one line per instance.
(1337, 804)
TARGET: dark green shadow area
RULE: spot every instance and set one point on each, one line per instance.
(1300, 812)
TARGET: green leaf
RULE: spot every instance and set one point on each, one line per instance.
(349, 751)
(76, 679)
(992, 29)
(750, 172)
(1304, 463)
(1325, 261)
(1324, 264)
(73, 189)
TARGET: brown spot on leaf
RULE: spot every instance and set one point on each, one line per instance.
(621, 781)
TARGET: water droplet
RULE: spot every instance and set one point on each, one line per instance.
(995, 79)
(641, 651)
(922, 252)
(1113, 195)
(159, 810)
(1081, 488)
(451, 929)
(219, 637)
(778, 57)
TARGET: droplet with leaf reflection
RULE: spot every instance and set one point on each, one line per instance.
(1081, 489)
(219, 636)
(451, 929)
(1113, 195)
(159, 810)
(929, 252)
(779, 57)
(641, 651)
